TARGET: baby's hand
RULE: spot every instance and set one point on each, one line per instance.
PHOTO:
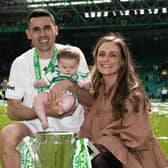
(81, 83)
(39, 83)
(84, 84)
(35, 84)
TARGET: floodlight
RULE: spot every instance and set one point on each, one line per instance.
(141, 11)
(99, 14)
(105, 13)
(93, 14)
(86, 15)
(164, 10)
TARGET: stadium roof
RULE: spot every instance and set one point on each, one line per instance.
(88, 14)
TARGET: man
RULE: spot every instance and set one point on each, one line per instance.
(25, 69)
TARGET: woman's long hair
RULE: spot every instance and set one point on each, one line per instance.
(126, 79)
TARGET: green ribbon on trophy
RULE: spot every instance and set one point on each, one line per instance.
(81, 158)
(56, 151)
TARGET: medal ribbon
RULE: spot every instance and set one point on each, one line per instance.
(49, 68)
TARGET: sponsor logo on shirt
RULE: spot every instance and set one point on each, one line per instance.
(10, 87)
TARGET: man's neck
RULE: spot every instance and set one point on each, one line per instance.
(45, 54)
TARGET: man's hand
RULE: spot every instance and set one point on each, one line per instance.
(54, 109)
(84, 96)
(58, 90)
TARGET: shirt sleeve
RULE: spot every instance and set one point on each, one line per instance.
(17, 80)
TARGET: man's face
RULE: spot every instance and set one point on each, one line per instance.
(42, 32)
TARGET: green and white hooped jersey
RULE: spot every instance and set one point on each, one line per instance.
(55, 77)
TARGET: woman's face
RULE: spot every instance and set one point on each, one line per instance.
(108, 59)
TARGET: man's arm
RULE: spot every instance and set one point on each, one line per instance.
(18, 112)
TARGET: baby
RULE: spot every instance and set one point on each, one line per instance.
(67, 68)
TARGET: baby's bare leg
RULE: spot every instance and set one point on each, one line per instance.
(66, 103)
(39, 102)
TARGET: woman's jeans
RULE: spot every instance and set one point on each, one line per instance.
(106, 160)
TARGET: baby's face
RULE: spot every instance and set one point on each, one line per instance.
(68, 66)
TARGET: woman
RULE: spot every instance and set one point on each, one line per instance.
(118, 120)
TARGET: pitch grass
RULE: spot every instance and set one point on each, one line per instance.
(159, 120)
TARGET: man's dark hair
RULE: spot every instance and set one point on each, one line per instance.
(40, 13)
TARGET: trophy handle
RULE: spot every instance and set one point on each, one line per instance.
(93, 151)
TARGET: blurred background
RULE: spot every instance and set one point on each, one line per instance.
(144, 24)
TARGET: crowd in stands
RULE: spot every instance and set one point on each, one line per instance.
(155, 81)
(3, 86)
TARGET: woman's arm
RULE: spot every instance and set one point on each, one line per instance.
(136, 118)
(84, 97)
